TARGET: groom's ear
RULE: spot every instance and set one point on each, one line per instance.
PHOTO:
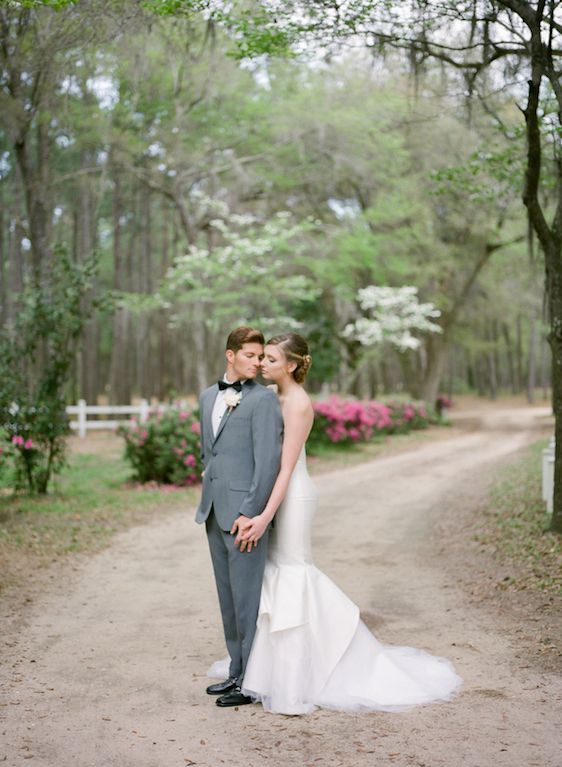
(229, 354)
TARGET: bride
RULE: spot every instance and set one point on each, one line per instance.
(311, 648)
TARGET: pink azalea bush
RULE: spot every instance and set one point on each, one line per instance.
(33, 446)
(346, 421)
(166, 448)
(407, 416)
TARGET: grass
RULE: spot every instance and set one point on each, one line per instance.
(91, 501)
(514, 525)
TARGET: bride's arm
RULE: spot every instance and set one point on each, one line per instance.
(298, 417)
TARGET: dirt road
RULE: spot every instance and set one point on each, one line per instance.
(109, 670)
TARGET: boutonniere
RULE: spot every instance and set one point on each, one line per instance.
(232, 399)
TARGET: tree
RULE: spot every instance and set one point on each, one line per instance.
(392, 316)
(244, 270)
(480, 40)
(33, 408)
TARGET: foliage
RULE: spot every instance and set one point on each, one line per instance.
(408, 416)
(246, 272)
(36, 357)
(6, 462)
(513, 527)
(394, 315)
(166, 448)
(345, 422)
(152, 133)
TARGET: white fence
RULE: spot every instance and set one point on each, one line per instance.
(82, 410)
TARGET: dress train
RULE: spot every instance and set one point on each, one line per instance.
(311, 648)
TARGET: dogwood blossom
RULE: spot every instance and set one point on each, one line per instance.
(393, 316)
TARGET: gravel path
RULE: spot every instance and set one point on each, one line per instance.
(109, 668)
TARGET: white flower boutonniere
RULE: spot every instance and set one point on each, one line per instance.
(232, 398)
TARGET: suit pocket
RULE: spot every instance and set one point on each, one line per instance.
(241, 487)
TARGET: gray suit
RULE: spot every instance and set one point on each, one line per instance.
(241, 464)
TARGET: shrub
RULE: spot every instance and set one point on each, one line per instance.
(166, 448)
(37, 354)
(340, 421)
(6, 462)
(36, 435)
(406, 416)
(345, 422)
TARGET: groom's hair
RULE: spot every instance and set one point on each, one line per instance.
(244, 335)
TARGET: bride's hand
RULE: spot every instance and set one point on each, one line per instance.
(252, 532)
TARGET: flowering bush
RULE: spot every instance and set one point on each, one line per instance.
(166, 448)
(35, 443)
(341, 421)
(407, 416)
(37, 356)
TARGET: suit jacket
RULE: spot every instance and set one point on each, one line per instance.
(242, 460)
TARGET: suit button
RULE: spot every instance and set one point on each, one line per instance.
(214, 454)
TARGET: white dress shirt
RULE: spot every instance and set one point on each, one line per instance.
(219, 408)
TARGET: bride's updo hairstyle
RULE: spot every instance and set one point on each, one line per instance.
(295, 349)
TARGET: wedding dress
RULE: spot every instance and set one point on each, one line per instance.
(311, 649)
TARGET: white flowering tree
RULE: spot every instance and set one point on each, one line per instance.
(241, 271)
(394, 316)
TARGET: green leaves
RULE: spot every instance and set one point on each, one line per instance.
(249, 271)
(56, 5)
(36, 357)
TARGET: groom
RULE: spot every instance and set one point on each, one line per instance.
(241, 435)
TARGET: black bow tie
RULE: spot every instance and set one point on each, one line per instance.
(225, 385)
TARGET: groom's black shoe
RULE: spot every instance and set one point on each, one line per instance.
(220, 688)
(234, 698)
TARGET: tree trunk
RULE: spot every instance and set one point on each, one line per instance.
(120, 389)
(492, 366)
(84, 246)
(199, 342)
(545, 371)
(519, 353)
(409, 363)
(36, 191)
(3, 266)
(437, 345)
(532, 367)
(550, 237)
(554, 261)
(509, 357)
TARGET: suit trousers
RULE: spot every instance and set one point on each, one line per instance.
(239, 577)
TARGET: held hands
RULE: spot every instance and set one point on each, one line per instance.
(249, 530)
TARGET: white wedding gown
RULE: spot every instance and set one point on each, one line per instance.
(311, 648)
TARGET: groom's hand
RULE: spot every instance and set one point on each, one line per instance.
(240, 526)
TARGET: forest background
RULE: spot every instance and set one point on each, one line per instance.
(212, 189)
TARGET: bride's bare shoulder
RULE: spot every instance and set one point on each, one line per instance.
(299, 401)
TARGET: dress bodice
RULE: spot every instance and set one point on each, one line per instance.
(290, 539)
